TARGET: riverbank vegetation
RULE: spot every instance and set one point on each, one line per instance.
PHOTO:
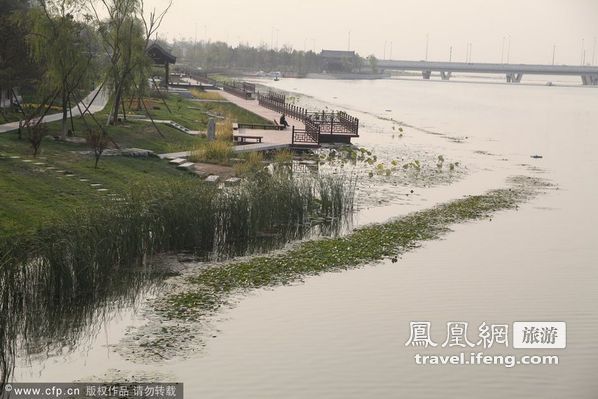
(75, 259)
(209, 289)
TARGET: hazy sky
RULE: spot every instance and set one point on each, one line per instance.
(534, 26)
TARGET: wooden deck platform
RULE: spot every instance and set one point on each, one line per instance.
(271, 139)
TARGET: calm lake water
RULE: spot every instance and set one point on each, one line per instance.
(342, 335)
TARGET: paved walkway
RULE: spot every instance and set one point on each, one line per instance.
(98, 105)
(256, 108)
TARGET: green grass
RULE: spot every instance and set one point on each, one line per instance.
(32, 196)
(195, 115)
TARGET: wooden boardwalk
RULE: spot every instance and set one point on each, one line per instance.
(271, 139)
(256, 108)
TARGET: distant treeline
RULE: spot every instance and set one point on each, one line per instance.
(220, 55)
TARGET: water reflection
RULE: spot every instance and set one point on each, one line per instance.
(58, 286)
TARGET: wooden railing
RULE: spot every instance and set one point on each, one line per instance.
(277, 97)
(237, 91)
(289, 110)
(338, 122)
(310, 136)
(316, 123)
(258, 126)
(249, 87)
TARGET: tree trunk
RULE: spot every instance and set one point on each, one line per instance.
(116, 109)
(65, 114)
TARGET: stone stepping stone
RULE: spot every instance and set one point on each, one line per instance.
(61, 171)
(177, 161)
(70, 175)
(15, 157)
(27, 160)
(102, 190)
(186, 165)
(83, 180)
(39, 163)
(51, 168)
(232, 181)
(212, 179)
(94, 185)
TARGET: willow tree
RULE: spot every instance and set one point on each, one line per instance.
(17, 69)
(60, 42)
(126, 34)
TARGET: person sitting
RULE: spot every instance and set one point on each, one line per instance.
(283, 121)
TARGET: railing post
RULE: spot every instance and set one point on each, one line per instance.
(293, 136)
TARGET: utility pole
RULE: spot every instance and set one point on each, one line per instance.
(502, 51)
(427, 44)
(349, 42)
(553, 53)
(451, 54)
(583, 50)
(509, 50)
(384, 56)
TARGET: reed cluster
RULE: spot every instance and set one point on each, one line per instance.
(53, 281)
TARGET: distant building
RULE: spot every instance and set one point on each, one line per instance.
(338, 61)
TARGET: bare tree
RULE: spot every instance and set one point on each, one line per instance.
(98, 140)
(35, 133)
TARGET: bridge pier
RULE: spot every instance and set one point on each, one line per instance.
(427, 74)
(590, 80)
(514, 77)
(445, 75)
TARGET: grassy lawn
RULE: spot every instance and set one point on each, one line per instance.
(32, 195)
(195, 115)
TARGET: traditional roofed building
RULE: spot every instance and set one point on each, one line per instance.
(161, 56)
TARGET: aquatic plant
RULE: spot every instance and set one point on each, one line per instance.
(53, 281)
(283, 156)
(253, 162)
(208, 289)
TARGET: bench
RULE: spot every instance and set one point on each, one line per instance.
(242, 139)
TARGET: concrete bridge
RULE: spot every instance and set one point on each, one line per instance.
(513, 72)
